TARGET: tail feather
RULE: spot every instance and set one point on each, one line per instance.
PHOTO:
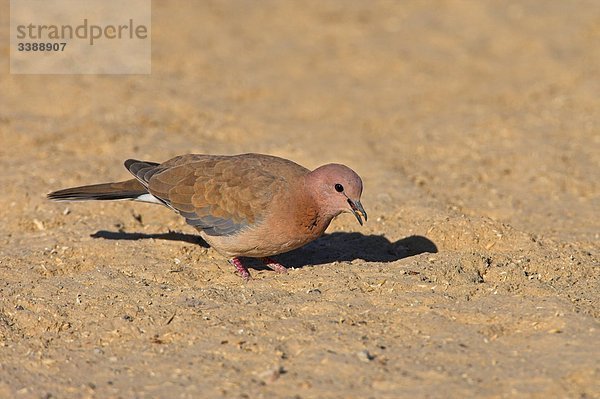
(129, 189)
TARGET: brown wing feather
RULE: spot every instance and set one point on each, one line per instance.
(221, 194)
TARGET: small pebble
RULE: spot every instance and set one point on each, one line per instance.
(272, 374)
(39, 225)
(365, 356)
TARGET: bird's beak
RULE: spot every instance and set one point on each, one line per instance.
(357, 210)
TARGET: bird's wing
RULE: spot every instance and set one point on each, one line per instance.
(218, 194)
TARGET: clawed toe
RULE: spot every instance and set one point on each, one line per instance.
(274, 265)
(245, 274)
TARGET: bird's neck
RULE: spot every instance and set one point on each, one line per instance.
(316, 213)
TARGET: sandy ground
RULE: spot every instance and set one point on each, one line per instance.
(476, 129)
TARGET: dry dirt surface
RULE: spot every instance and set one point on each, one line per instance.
(475, 126)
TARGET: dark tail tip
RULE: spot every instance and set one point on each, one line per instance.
(73, 195)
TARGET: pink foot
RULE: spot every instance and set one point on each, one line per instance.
(274, 265)
(240, 268)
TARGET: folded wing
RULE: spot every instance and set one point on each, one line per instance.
(220, 195)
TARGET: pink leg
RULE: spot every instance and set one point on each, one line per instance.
(274, 265)
(240, 268)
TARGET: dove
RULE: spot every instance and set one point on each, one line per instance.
(244, 206)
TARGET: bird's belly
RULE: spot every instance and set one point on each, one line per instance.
(257, 243)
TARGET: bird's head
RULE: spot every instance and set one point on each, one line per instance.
(337, 188)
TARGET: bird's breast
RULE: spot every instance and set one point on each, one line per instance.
(288, 226)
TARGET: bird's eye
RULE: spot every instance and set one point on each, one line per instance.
(339, 188)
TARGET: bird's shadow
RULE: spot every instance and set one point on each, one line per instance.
(339, 246)
(346, 247)
(170, 236)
